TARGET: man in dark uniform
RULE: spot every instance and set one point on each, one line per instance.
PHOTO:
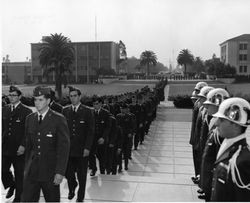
(81, 124)
(13, 143)
(53, 104)
(231, 173)
(47, 150)
(102, 130)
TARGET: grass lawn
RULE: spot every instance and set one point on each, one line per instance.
(98, 89)
(186, 89)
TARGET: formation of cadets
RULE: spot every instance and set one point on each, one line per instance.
(55, 142)
(221, 154)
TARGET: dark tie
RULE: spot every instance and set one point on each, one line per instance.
(40, 119)
(13, 108)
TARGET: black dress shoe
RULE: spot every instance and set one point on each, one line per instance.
(71, 195)
(79, 200)
(92, 173)
(200, 191)
(10, 192)
(126, 168)
(194, 178)
(202, 196)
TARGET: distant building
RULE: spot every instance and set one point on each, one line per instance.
(16, 72)
(89, 57)
(236, 52)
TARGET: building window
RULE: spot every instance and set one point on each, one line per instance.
(243, 46)
(245, 69)
(241, 67)
(243, 57)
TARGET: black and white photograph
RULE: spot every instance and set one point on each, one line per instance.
(125, 101)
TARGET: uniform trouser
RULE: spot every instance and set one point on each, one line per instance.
(98, 151)
(7, 177)
(78, 165)
(141, 134)
(126, 149)
(32, 188)
(196, 160)
(109, 159)
(130, 146)
(136, 138)
(117, 159)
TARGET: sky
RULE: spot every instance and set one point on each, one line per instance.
(163, 26)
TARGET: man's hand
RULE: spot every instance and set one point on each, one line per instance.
(111, 145)
(85, 153)
(100, 141)
(58, 179)
(20, 150)
(129, 135)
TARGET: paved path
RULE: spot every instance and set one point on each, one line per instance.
(160, 169)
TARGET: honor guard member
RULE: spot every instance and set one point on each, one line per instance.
(197, 131)
(231, 174)
(47, 150)
(81, 124)
(210, 141)
(13, 143)
(53, 104)
(102, 130)
(197, 89)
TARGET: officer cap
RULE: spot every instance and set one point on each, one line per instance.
(15, 89)
(72, 89)
(42, 90)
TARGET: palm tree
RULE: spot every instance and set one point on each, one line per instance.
(185, 57)
(148, 58)
(56, 55)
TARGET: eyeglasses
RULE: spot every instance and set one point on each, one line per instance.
(13, 95)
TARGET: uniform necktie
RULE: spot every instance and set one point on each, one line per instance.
(13, 108)
(40, 119)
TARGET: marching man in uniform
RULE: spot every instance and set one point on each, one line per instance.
(231, 176)
(13, 143)
(47, 150)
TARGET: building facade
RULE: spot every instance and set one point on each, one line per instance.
(16, 72)
(236, 52)
(89, 57)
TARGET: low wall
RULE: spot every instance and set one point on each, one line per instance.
(226, 80)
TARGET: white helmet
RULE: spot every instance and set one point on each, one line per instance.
(200, 85)
(236, 110)
(216, 96)
(204, 91)
(194, 95)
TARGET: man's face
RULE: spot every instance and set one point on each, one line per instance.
(211, 109)
(74, 97)
(97, 105)
(41, 103)
(13, 97)
(225, 128)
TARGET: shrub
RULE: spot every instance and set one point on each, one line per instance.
(182, 101)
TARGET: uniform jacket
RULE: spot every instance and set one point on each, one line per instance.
(194, 118)
(102, 125)
(223, 188)
(113, 130)
(124, 121)
(208, 158)
(136, 110)
(204, 132)
(13, 127)
(47, 146)
(81, 126)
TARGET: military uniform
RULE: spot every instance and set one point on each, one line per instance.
(13, 128)
(102, 130)
(226, 187)
(81, 125)
(56, 107)
(47, 150)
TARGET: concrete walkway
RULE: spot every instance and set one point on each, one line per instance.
(160, 169)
